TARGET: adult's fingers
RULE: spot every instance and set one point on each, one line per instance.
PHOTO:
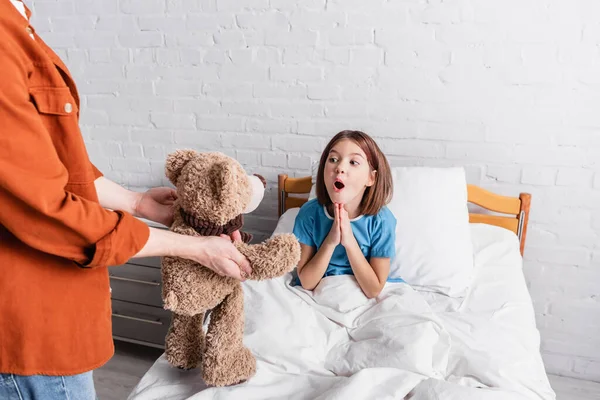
(166, 196)
(231, 269)
(236, 236)
(167, 217)
(245, 265)
(241, 261)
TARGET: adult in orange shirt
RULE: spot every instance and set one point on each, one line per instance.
(58, 232)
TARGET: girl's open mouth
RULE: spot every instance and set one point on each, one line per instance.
(338, 185)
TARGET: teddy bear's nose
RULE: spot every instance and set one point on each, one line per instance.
(258, 191)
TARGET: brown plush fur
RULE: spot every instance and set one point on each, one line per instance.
(215, 188)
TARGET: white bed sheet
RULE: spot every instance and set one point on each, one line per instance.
(334, 343)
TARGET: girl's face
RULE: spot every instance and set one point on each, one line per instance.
(347, 173)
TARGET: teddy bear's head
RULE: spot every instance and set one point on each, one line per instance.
(213, 187)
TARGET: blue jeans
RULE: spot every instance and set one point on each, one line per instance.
(44, 387)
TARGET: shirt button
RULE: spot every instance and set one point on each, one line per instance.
(68, 108)
(29, 30)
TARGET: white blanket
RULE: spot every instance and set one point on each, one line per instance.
(334, 343)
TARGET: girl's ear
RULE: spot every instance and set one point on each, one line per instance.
(372, 177)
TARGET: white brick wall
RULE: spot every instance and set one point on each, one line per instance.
(507, 88)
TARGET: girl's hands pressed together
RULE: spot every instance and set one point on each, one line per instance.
(345, 227)
(334, 237)
(341, 230)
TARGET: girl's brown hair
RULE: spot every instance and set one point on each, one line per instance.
(375, 196)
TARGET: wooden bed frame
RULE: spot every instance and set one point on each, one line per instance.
(516, 208)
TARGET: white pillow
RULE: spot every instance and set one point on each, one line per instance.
(433, 239)
(285, 224)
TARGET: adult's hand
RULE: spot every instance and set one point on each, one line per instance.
(156, 205)
(220, 255)
(217, 253)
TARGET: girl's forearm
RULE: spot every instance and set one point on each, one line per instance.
(363, 271)
(311, 273)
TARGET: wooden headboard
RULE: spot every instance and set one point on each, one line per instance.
(516, 209)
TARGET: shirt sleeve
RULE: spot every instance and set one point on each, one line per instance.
(34, 203)
(304, 226)
(383, 239)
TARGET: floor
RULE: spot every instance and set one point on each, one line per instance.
(116, 379)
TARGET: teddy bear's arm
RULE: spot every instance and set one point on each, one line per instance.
(272, 258)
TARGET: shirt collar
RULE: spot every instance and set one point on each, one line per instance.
(21, 8)
(331, 218)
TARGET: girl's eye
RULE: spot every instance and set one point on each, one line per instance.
(354, 162)
(332, 159)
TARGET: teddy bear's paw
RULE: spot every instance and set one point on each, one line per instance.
(182, 359)
(274, 257)
(231, 368)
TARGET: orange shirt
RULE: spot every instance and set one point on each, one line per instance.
(55, 238)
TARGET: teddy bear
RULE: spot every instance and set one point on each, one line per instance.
(213, 191)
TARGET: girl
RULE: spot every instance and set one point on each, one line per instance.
(347, 229)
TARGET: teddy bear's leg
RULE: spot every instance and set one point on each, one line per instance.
(226, 360)
(184, 343)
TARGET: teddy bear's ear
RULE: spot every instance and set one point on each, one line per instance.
(175, 163)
